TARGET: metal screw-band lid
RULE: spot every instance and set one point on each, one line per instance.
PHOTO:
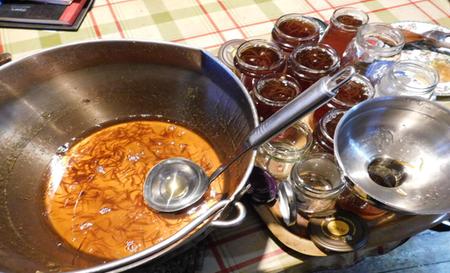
(341, 232)
(286, 202)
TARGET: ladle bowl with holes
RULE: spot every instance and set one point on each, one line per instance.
(395, 153)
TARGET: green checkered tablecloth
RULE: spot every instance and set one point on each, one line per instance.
(207, 24)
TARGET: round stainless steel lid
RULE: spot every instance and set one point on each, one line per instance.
(286, 203)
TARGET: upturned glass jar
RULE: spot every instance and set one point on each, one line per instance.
(344, 24)
(256, 58)
(273, 92)
(317, 182)
(357, 90)
(373, 50)
(324, 131)
(278, 155)
(408, 78)
(307, 64)
(293, 30)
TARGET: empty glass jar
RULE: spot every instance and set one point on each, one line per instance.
(278, 155)
(317, 182)
(293, 30)
(375, 48)
(408, 78)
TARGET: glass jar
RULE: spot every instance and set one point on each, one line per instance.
(317, 182)
(375, 47)
(273, 92)
(227, 51)
(351, 202)
(293, 30)
(408, 78)
(307, 64)
(278, 155)
(324, 132)
(256, 58)
(357, 90)
(344, 24)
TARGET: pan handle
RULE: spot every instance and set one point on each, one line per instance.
(241, 213)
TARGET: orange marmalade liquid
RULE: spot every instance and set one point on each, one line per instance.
(94, 199)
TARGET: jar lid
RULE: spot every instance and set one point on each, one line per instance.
(286, 203)
(341, 232)
(227, 51)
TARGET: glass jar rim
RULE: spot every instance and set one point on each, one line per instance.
(380, 28)
(342, 11)
(260, 43)
(369, 90)
(331, 51)
(401, 65)
(291, 153)
(299, 17)
(276, 77)
(317, 193)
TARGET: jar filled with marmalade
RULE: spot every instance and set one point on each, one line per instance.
(357, 90)
(349, 201)
(278, 155)
(293, 30)
(273, 92)
(255, 59)
(307, 64)
(324, 131)
(375, 48)
(344, 24)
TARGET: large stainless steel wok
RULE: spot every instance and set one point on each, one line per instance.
(52, 96)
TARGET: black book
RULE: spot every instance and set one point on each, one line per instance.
(42, 13)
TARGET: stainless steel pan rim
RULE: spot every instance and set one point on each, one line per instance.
(213, 213)
(238, 81)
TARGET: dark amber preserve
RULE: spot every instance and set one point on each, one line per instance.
(256, 58)
(350, 202)
(273, 92)
(358, 89)
(293, 30)
(307, 64)
(343, 27)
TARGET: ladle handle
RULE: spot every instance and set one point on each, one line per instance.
(311, 99)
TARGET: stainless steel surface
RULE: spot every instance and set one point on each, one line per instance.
(287, 204)
(406, 142)
(50, 97)
(177, 183)
(174, 184)
(241, 213)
